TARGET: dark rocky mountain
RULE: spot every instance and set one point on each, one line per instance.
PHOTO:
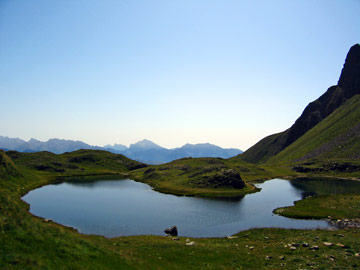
(348, 86)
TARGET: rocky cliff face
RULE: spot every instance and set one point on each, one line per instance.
(350, 75)
(314, 113)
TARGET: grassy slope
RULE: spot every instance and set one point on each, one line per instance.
(336, 137)
(74, 163)
(264, 149)
(27, 242)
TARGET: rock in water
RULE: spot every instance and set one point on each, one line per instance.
(173, 231)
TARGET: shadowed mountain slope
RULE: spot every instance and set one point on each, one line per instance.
(336, 137)
(348, 86)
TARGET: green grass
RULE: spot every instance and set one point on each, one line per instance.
(338, 206)
(74, 163)
(264, 149)
(335, 138)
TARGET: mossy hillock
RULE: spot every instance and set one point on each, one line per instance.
(76, 163)
(7, 167)
(206, 177)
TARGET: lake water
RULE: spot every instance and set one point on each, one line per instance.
(125, 207)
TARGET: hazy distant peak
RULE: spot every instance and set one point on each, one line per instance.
(32, 140)
(116, 146)
(200, 145)
(144, 145)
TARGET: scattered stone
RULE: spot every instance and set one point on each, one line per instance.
(311, 264)
(314, 248)
(47, 220)
(294, 244)
(357, 254)
(251, 248)
(282, 258)
(316, 238)
(173, 231)
(340, 245)
(328, 244)
(176, 239)
(188, 241)
(268, 257)
(192, 243)
(341, 235)
(293, 248)
(266, 237)
(305, 244)
(231, 237)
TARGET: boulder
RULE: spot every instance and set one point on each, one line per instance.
(173, 231)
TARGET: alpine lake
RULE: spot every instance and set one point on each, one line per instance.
(122, 207)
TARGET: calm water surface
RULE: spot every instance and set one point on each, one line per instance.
(125, 207)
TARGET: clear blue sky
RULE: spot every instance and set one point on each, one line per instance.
(175, 72)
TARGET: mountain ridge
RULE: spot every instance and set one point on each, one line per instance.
(348, 86)
(143, 151)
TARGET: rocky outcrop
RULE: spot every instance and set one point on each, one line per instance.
(350, 75)
(223, 178)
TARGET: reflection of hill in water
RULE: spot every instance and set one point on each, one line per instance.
(325, 186)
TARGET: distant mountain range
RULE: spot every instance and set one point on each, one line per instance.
(144, 151)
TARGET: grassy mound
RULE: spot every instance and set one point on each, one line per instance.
(76, 163)
(7, 167)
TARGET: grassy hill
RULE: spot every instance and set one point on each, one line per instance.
(337, 137)
(196, 177)
(75, 163)
(7, 166)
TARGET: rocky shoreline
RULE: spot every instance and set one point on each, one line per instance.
(345, 223)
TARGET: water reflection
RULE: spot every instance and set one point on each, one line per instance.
(125, 207)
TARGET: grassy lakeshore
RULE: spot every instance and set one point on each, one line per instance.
(28, 242)
(338, 206)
